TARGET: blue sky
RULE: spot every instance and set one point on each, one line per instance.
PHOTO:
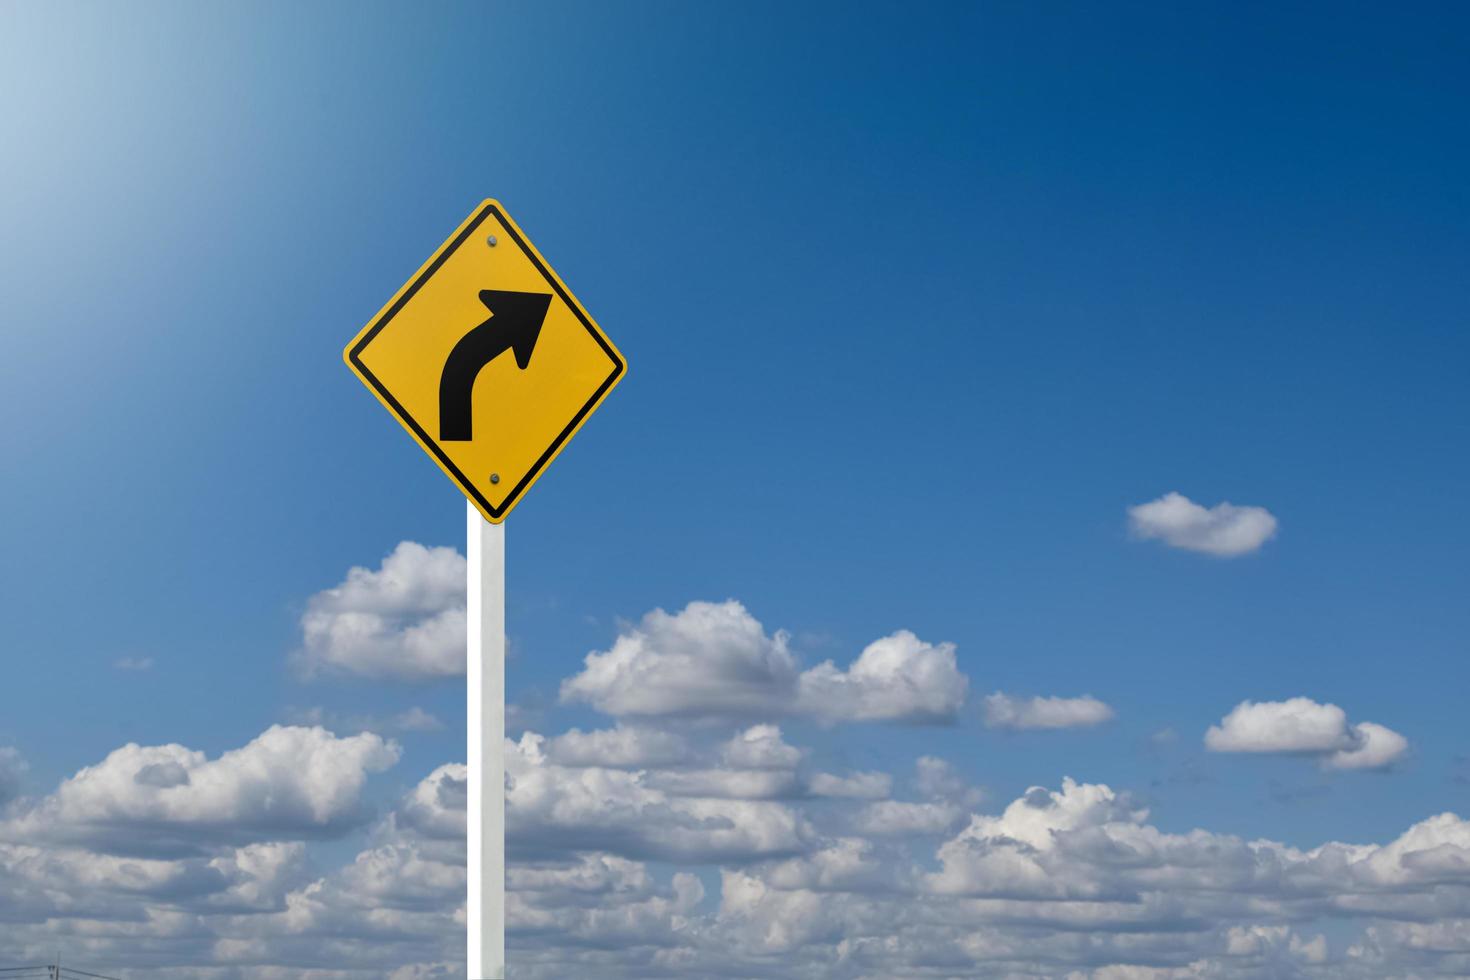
(917, 302)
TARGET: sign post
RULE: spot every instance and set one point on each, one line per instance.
(492, 399)
(485, 719)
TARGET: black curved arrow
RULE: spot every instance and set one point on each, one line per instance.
(514, 325)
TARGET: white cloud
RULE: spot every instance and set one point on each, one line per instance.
(1374, 747)
(1030, 823)
(133, 663)
(948, 798)
(857, 786)
(1023, 714)
(1278, 945)
(605, 909)
(1295, 725)
(167, 799)
(715, 660)
(406, 620)
(754, 764)
(1073, 881)
(1076, 882)
(434, 810)
(1224, 530)
(213, 909)
(552, 808)
(623, 747)
(760, 747)
(708, 659)
(1303, 726)
(901, 818)
(38, 883)
(897, 678)
(161, 854)
(728, 784)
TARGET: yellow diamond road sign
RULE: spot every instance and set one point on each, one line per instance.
(488, 360)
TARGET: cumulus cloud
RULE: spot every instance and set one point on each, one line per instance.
(856, 786)
(167, 799)
(181, 898)
(946, 798)
(1295, 725)
(1023, 714)
(434, 810)
(1301, 726)
(715, 660)
(1224, 530)
(897, 678)
(756, 764)
(659, 848)
(1373, 747)
(1274, 944)
(623, 747)
(729, 784)
(708, 659)
(551, 808)
(404, 620)
(1073, 881)
(908, 819)
(605, 907)
(760, 747)
(753, 764)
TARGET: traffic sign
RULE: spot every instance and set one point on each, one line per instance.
(488, 360)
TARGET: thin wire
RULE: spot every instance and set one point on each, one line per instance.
(45, 970)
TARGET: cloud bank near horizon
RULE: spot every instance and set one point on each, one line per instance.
(658, 846)
(645, 852)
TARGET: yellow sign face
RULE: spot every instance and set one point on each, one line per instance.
(488, 360)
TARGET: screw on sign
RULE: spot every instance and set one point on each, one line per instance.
(435, 357)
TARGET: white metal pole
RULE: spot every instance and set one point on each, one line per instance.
(485, 677)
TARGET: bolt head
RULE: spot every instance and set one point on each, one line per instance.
(494, 477)
(492, 241)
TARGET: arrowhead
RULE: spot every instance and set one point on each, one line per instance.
(519, 316)
(514, 324)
